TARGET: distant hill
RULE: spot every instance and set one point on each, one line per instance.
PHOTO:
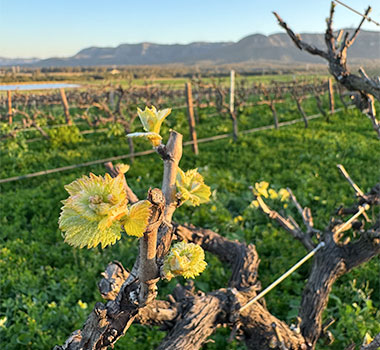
(276, 47)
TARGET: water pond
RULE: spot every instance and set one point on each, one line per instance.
(37, 86)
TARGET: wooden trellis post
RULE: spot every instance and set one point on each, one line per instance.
(232, 91)
(65, 106)
(232, 106)
(331, 96)
(190, 114)
(10, 115)
(111, 97)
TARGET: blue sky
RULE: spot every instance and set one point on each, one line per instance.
(46, 28)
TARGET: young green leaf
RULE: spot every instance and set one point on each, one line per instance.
(191, 187)
(89, 215)
(151, 119)
(184, 259)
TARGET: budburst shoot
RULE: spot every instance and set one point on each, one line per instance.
(151, 119)
(262, 189)
(184, 259)
(191, 187)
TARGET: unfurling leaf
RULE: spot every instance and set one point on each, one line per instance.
(255, 203)
(184, 259)
(367, 339)
(89, 215)
(191, 187)
(153, 137)
(284, 194)
(136, 220)
(261, 189)
(272, 194)
(151, 119)
(122, 168)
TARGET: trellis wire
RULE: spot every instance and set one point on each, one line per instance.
(282, 277)
(93, 131)
(369, 19)
(186, 143)
(173, 108)
(361, 210)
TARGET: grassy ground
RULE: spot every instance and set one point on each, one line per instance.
(48, 288)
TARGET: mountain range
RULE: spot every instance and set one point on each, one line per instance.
(256, 47)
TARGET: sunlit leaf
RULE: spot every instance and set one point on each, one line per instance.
(184, 259)
(136, 220)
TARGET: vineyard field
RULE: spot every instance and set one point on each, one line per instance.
(47, 288)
